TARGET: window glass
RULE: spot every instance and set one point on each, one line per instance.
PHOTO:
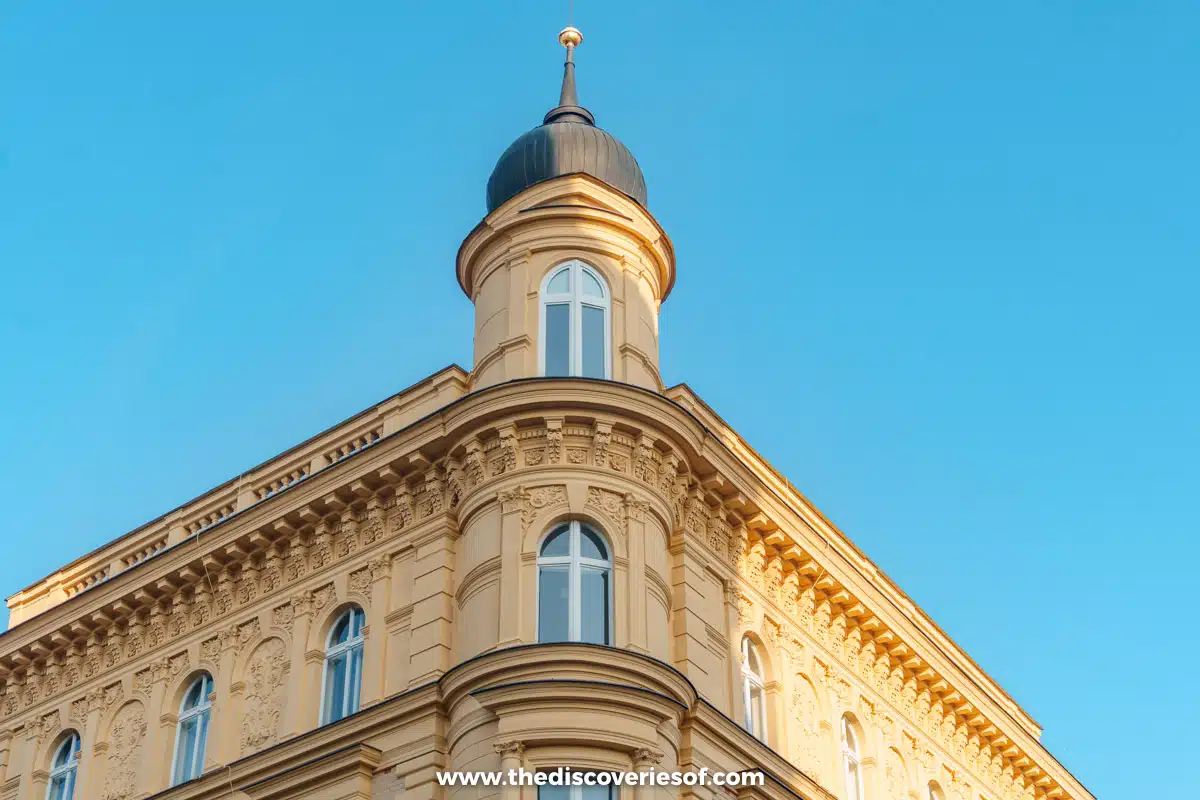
(593, 342)
(590, 546)
(558, 339)
(575, 307)
(341, 631)
(755, 711)
(574, 587)
(554, 604)
(337, 683)
(558, 543)
(560, 283)
(591, 286)
(594, 605)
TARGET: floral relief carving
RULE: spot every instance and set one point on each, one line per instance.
(601, 440)
(553, 441)
(360, 581)
(807, 749)
(609, 503)
(283, 616)
(541, 497)
(372, 529)
(323, 597)
(125, 740)
(49, 724)
(265, 696)
(576, 455)
(79, 712)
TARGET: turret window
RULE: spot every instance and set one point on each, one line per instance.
(343, 666)
(754, 702)
(575, 323)
(574, 586)
(64, 768)
(190, 741)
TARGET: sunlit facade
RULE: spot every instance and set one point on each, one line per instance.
(553, 559)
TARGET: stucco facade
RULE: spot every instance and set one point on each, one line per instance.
(427, 512)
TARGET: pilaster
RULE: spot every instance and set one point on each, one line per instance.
(375, 646)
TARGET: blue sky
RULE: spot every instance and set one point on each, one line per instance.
(937, 262)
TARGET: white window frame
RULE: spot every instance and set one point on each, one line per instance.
(575, 299)
(352, 696)
(575, 562)
(576, 792)
(753, 680)
(851, 760)
(69, 769)
(201, 709)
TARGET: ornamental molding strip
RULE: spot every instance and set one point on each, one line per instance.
(378, 495)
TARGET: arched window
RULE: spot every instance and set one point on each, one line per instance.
(935, 792)
(574, 586)
(343, 666)
(63, 769)
(851, 761)
(575, 323)
(194, 713)
(754, 702)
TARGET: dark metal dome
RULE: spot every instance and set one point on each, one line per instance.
(566, 142)
(562, 148)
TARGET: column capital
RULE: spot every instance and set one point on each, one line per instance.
(508, 749)
(644, 757)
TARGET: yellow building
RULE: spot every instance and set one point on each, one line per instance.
(553, 560)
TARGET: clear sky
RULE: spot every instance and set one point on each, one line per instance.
(937, 263)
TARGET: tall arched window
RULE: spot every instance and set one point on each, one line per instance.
(63, 768)
(754, 702)
(343, 666)
(851, 761)
(192, 736)
(575, 323)
(574, 586)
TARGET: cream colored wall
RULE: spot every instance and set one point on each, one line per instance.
(441, 554)
(503, 262)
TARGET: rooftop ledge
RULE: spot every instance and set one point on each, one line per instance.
(258, 484)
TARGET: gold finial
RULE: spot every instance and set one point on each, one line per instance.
(570, 37)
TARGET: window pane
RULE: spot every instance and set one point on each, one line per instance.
(202, 745)
(360, 619)
(554, 793)
(560, 283)
(355, 683)
(593, 585)
(755, 711)
(597, 792)
(553, 604)
(558, 543)
(591, 286)
(335, 688)
(341, 631)
(852, 790)
(752, 661)
(593, 342)
(184, 751)
(58, 788)
(558, 339)
(592, 546)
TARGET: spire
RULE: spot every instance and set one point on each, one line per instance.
(568, 109)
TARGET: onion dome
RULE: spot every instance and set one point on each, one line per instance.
(567, 142)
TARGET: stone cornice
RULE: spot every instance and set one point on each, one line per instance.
(410, 484)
